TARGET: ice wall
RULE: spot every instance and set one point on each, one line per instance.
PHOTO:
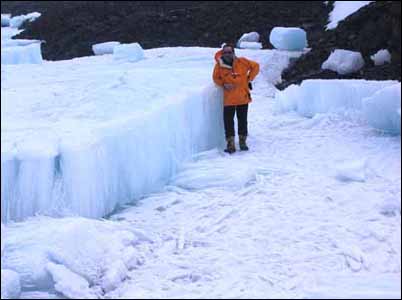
(119, 165)
(383, 109)
(327, 96)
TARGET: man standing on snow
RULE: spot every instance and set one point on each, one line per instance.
(234, 75)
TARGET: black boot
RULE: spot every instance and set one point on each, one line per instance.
(242, 142)
(230, 148)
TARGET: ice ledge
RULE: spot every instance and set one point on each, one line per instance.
(118, 167)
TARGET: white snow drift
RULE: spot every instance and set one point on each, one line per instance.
(344, 61)
(288, 38)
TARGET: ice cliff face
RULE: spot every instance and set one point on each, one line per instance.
(105, 134)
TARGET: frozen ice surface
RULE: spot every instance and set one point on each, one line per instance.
(356, 287)
(68, 283)
(288, 38)
(10, 284)
(352, 171)
(343, 61)
(382, 110)
(104, 48)
(271, 222)
(71, 252)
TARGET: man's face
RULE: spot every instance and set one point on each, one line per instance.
(227, 53)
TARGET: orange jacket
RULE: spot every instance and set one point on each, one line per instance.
(242, 72)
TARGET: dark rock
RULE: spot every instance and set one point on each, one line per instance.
(72, 27)
(374, 27)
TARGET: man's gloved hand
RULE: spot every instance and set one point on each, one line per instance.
(250, 86)
(228, 86)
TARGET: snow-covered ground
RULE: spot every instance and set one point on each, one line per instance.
(277, 221)
(311, 211)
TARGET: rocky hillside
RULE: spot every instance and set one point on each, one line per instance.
(373, 27)
(71, 28)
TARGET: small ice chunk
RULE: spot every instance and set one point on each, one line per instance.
(352, 171)
(250, 45)
(17, 21)
(30, 54)
(129, 52)
(288, 38)
(381, 57)
(5, 20)
(114, 276)
(68, 283)
(249, 37)
(10, 284)
(383, 109)
(104, 48)
(344, 62)
(32, 16)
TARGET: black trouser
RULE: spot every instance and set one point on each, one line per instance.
(228, 116)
